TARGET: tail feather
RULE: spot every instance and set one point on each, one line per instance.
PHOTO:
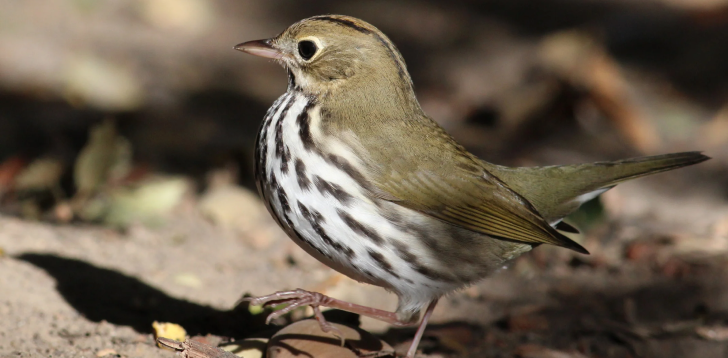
(633, 168)
(556, 191)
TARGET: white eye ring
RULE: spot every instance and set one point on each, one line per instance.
(302, 51)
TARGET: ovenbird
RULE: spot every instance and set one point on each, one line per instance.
(362, 179)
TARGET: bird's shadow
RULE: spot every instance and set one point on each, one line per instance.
(101, 294)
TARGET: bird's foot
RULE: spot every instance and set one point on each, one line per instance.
(299, 298)
(326, 326)
(295, 299)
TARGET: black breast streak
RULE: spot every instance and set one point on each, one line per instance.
(360, 228)
(303, 182)
(309, 243)
(285, 159)
(367, 273)
(283, 200)
(285, 221)
(261, 157)
(268, 185)
(343, 165)
(261, 152)
(280, 146)
(325, 187)
(272, 188)
(434, 275)
(282, 150)
(315, 219)
(383, 263)
(405, 254)
(276, 189)
(304, 127)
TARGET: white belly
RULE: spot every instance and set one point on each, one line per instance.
(326, 212)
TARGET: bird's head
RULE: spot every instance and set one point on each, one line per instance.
(323, 53)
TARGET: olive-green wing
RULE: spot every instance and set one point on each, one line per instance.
(469, 197)
(557, 191)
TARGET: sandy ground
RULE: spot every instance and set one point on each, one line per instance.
(652, 285)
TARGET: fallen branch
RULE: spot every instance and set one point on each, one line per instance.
(194, 349)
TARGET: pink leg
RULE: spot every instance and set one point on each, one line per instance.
(299, 298)
(326, 326)
(421, 330)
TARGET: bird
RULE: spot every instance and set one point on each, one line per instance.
(356, 174)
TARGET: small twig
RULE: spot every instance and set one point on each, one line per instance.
(195, 349)
(380, 354)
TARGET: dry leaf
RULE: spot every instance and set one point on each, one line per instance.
(96, 81)
(41, 174)
(247, 348)
(168, 330)
(240, 210)
(9, 169)
(232, 206)
(106, 155)
(63, 212)
(188, 279)
(146, 202)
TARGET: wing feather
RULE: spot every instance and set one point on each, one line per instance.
(474, 201)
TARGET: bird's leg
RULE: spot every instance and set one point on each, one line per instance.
(421, 329)
(298, 298)
(326, 326)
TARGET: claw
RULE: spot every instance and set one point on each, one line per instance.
(244, 299)
(328, 327)
(295, 299)
(291, 306)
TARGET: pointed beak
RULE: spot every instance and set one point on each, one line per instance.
(262, 48)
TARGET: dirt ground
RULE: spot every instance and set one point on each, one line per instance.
(126, 137)
(653, 286)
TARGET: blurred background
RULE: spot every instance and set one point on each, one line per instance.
(126, 152)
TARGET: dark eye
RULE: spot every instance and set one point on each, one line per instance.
(307, 49)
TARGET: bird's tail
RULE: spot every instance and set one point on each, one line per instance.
(556, 191)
